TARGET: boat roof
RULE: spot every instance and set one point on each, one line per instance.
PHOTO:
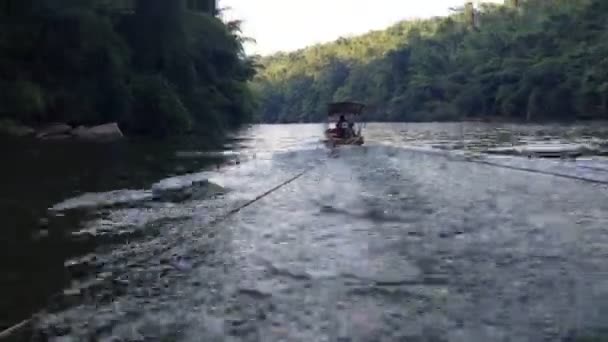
(345, 108)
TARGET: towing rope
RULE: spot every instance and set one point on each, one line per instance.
(531, 170)
(15, 328)
(460, 158)
(10, 331)
(259, 197)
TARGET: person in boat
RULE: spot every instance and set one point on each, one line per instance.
(342, 127)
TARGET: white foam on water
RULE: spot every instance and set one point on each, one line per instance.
(103, 199)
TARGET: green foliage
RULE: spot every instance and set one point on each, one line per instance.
(23, 97)
(540, 61)
(157, 109)
(157, 67)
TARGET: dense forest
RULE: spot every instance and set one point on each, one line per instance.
(156, 67)
(525, 60)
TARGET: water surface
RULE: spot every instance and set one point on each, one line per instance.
(375, 243)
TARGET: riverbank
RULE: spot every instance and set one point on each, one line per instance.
(62, 131)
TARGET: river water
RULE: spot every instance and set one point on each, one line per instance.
(392, 241)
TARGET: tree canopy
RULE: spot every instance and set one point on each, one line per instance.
(157, 67)
(527, 60)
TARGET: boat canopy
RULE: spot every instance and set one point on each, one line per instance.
(345, 108)
(350, 111)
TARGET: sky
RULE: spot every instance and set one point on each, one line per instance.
(286, 25)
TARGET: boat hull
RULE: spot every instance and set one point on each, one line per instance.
(333, 140)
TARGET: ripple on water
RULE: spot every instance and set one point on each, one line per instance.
(103, 199)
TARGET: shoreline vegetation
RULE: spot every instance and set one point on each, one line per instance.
(149, 68)
(94, 63)
(524, 61)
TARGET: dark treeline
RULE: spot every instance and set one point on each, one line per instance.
(527, 60)
(156, 67)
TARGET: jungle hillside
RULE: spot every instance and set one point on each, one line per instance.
(533, 60)
(155, 67)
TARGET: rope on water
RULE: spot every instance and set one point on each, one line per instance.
(548, 173)
(460, 158)
(15, 328)
(10, 331)
(259, 197)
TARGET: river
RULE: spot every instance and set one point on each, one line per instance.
(392, 241)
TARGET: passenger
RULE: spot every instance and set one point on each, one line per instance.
(351, 129)
(348, 131)
(342, 126)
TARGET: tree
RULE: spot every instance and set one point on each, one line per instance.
(533, 59)
(157, 67)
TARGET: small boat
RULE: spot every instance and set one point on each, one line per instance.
(347, 115)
